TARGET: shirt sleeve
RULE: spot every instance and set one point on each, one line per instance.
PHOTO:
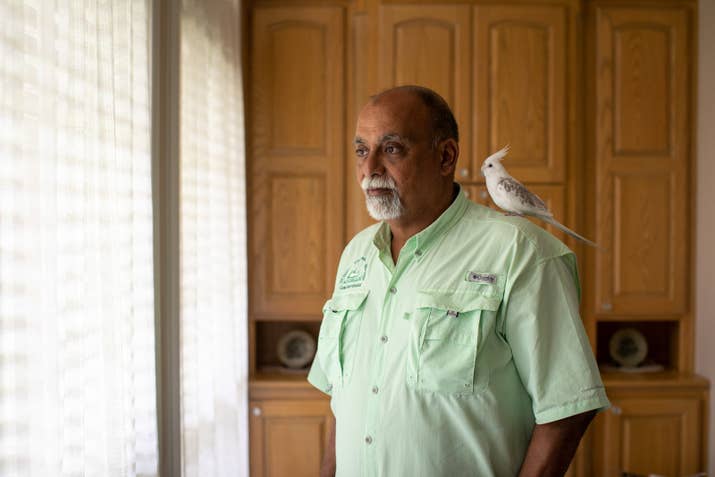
(317, 378)
(317, 375)
(549, 344)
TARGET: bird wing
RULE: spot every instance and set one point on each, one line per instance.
(524, 201)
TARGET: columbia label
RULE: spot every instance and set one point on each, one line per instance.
(481, 277)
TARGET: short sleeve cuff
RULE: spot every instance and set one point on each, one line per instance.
(317, 378)
(595, 399)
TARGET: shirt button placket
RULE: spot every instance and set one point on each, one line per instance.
(371, 424)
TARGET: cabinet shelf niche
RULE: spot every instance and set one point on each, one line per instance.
(267, 336)
(660, 336)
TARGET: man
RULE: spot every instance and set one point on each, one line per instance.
(452, 345)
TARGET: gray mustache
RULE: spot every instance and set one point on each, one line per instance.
(378, 183)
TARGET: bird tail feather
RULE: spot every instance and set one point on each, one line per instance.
(568, 231)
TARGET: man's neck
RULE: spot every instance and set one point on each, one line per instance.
(404, 228)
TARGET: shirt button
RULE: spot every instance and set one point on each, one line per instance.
(383, 338)
(375, 389)
(418, 252)
(368, 440)
(329, 388)
(393, 290)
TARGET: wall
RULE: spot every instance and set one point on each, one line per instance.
(705, 215)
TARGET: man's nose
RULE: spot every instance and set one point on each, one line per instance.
(373, 165)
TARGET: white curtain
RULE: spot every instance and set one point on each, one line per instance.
(77, 367)
(214, 350)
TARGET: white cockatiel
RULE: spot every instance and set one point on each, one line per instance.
(511, 195)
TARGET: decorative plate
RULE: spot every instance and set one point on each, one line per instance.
(628, 347)
(296, 349)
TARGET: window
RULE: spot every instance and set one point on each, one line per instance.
(77, 275)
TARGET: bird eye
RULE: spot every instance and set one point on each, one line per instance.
(490, 165)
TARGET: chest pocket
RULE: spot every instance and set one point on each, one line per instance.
(338, 336)
(444, 340)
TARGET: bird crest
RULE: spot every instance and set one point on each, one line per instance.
(492, 164)
(499, 155)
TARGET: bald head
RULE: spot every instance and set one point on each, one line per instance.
(434, 109)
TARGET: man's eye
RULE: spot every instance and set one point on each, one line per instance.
(361, 152)
(392, 149)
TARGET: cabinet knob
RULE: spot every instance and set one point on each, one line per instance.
(616, 410)
(484, 194)
(466, 193)
(464, 172)
(606, 306)
(257, 411)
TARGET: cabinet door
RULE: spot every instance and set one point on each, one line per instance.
(641, 200)
(428, 45)
(553, 197)
(297, 158)
(288, 438)
(520, 90)
(649, 436)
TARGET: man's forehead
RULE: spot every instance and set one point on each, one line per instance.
(390, 136)
(396, 104)
(389, 120)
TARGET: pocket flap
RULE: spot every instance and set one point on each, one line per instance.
(461, 301)
(346, 301)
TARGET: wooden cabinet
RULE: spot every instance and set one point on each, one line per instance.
(520, 93)
(657, 432)
(429, 45)
(642, 127)
(596, 100)
(296, 158)
(650, 436)
(288, 437)
(296, 169)
(514, 60)
(640, 120)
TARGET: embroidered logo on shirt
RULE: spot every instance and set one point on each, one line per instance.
(481, 277)
(355, 275)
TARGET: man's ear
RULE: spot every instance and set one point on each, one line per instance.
(448, 154)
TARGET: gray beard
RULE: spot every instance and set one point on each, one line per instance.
(384, 207)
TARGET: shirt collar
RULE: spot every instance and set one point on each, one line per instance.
(423, 240)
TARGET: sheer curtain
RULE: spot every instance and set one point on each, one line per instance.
(214, 351)
(77, 367)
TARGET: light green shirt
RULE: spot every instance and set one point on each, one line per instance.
(440, 365)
